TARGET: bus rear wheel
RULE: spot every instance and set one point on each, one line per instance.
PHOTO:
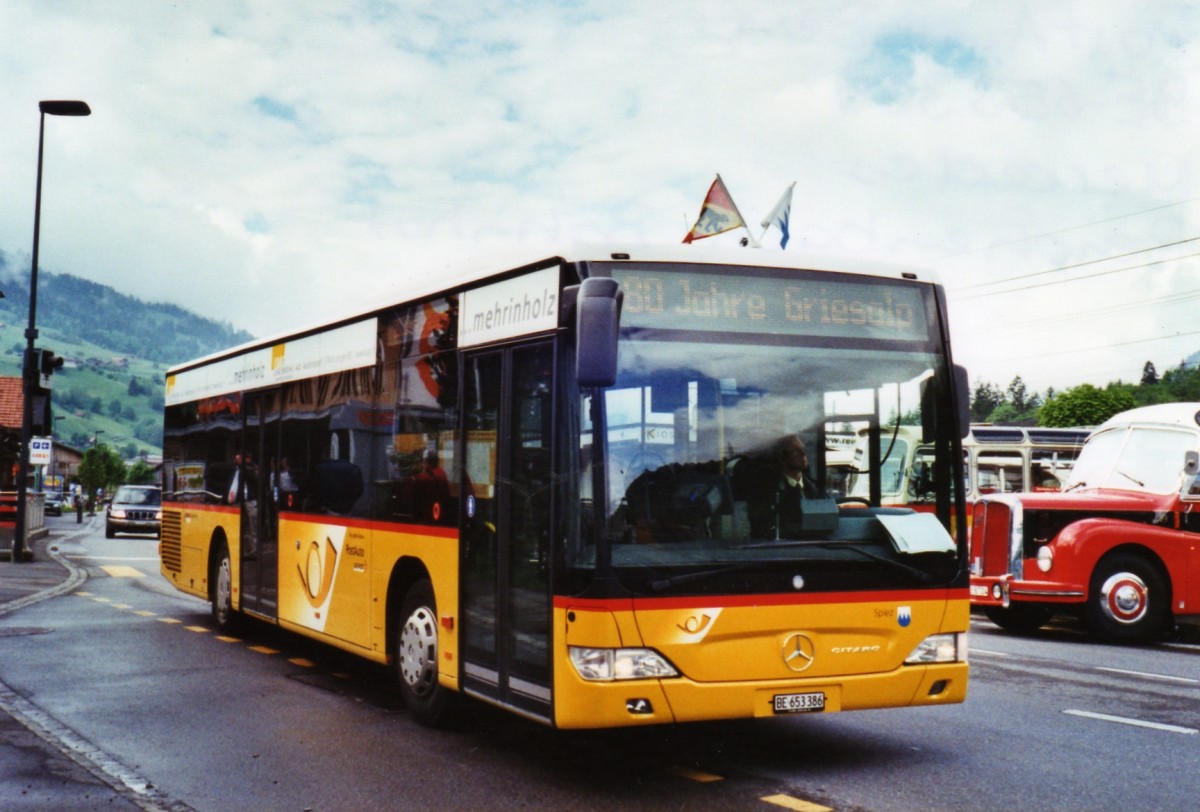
(1127, 600)
(416, 659)
(221, 590)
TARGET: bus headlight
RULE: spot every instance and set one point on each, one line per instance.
(609, 664)
(940, 648)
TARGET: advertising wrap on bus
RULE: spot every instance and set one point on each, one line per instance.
(602, 489)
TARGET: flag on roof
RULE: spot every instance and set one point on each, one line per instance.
(780, 215)
(718, 214)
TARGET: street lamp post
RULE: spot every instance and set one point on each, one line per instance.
(29, 367)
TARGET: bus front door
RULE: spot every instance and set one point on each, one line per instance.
(507, 492)
(259, 525)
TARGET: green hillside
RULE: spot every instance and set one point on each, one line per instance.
(117, 349)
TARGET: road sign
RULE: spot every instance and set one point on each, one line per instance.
(40, 450)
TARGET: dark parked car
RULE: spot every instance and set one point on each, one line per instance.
(134, 509)
(54, 504)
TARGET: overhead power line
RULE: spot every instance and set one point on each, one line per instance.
(1077, 278)
(1074, 228)
(1077, 265)
(1110, 346)
(1140, 304)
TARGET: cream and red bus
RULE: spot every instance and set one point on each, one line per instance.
(996, 459)
(552, 488)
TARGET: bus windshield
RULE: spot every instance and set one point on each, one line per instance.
(721, 459)
(1133, 459)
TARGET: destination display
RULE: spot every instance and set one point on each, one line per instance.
(736, 302)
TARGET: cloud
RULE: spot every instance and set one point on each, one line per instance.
(317, 158)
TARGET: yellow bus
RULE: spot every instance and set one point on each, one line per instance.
(561, 488)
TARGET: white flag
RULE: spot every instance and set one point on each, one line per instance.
(779, 216)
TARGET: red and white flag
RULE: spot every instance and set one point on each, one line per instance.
(718, 214)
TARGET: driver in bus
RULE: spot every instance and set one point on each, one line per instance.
(775, 486)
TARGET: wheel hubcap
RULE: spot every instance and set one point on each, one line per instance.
(224, 588)
(418, 651)
(1125, 598)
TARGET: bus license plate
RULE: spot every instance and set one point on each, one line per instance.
(799, 703)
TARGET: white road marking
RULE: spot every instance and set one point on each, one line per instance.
(1121, 720)
(1165, 677)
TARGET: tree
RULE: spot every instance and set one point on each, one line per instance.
(987, 397)
(1149, 374)
(101, 467)
(1085, 405)
(141, 473)
(1018, 395)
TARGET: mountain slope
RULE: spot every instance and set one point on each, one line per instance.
(117, 349)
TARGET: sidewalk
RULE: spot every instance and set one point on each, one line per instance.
(23, 583)
(42, 764)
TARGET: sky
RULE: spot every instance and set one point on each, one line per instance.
(272, 164)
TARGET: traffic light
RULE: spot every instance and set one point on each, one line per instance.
(49, 363)
(40, 364)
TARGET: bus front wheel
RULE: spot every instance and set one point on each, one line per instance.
(1128, 600)
(417, 656)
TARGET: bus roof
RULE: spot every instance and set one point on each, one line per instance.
(444, 280)
(1186, 415)
(986, 435)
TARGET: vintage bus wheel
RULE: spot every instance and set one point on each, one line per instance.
(1127, 600)
(222, 590)
(417, 656)
(1019, 618)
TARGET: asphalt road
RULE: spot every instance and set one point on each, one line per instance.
(182, 718)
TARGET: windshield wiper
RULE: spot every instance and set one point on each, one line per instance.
(667, 583)
(1137, 482)
(919, 574)
(1079, 484)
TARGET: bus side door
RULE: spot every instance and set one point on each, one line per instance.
(259, 543)
(508, 433)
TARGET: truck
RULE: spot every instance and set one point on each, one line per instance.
(1118, 546)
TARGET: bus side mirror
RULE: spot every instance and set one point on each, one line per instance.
(1191, 484)
(962, 397)
(597, 324)
(962, 401)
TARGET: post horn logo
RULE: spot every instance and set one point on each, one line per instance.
(798, 652)
(319, 578)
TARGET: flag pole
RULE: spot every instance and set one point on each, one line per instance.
(746, 225)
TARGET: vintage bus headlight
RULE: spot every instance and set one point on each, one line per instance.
(609, 664)
(940, 648)
(1045, 558)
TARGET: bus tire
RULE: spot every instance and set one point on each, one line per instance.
(221, 590)
(1019, 618)
(416, 659)
(1128, 600)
